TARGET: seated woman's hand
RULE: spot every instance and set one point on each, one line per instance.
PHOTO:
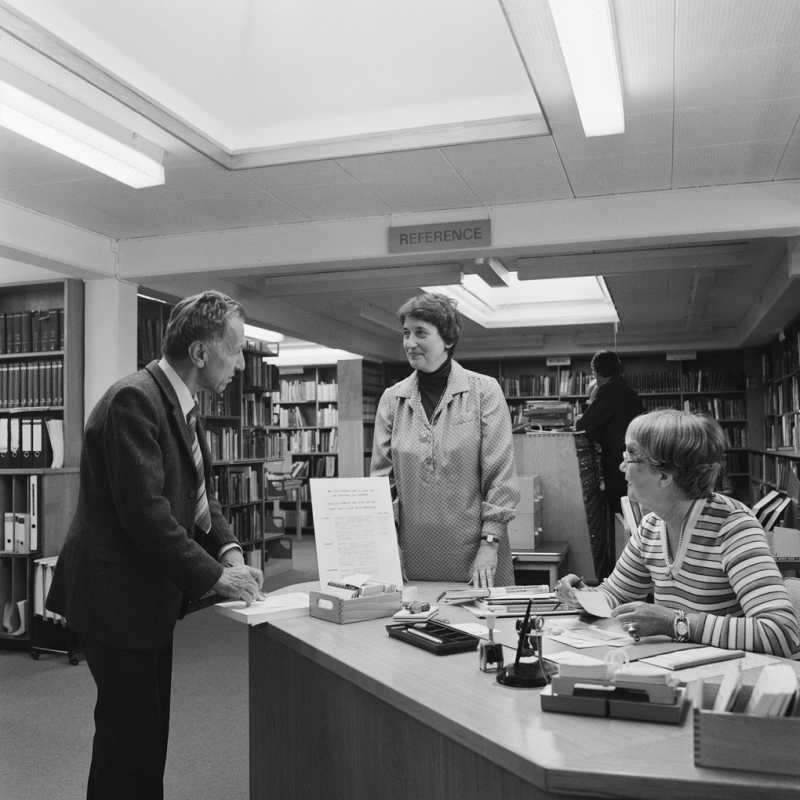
(565, 590)
(484, 565)
(645, 619)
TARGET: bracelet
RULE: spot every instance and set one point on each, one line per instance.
(490, 538)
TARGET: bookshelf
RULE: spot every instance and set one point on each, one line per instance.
(240, 434)
(41, 424)
(775, 460)
(713, 382)
(327, 414)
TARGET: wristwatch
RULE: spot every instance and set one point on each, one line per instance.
(680, 627)
(490, 538)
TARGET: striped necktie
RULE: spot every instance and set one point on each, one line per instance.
(202, 515)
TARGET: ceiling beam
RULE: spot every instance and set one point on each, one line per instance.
(351, 281)
(625, 262)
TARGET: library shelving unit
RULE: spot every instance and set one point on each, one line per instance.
(327, 414)
(775, 461)
(712, 382)
(41, 423)
(240, 436)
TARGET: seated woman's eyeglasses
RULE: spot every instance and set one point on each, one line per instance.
(627, 458)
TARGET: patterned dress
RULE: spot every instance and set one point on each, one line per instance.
(452, 476)
(723, 570)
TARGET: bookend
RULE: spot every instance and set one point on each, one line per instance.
(526, 674)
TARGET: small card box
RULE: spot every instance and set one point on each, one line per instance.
(357, 609)
(730, 740)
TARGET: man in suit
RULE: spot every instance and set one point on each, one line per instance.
(613, 405)
(148, 536)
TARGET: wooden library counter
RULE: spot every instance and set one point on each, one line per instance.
(343, 711)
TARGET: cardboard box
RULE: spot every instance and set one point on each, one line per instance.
(334, 609)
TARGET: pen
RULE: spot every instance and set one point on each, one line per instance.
(424, 635)
(349, 586)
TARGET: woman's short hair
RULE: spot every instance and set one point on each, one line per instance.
(438, 310)
(690, 447)
(201, 317)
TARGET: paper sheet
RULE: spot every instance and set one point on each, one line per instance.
(273, 606)
(594, 603)
(354, 529)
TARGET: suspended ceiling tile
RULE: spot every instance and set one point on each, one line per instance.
(331, 201)
(25, 163)
(619, 174)
(517, 170)
(308, 174)
(650, 132)
(728, 78)
(741, 162)
(414, 180)
(789, 167)
(645, 38)
(743, 122)
(721, 25)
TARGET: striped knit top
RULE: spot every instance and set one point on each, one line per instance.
(723, 570)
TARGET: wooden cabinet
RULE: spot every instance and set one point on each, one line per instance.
(41, 425)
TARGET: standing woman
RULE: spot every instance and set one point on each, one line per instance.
(443, 436)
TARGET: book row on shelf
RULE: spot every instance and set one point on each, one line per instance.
(218, 405)
(306, 390)
(247, 523)
(19, 511)
(29, 384)
(225, 443)
(782, 432)
(259, 409)
(310, 440)
(782, 397)
(302, 417)
(31, 331)
(782, 356)
(238, 484)
(259, 374)
(775, 471)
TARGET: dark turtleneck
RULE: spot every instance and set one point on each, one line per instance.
(432, 386)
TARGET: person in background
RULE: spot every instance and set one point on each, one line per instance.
(703, 555)
(148, 536)
(612, 405)
(443, 436)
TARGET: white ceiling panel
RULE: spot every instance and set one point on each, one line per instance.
(25, 163)
(705, 78)
(645, 36)
(519, 170)
(330, 201)
(789, 167)
(643, 132)
(618, 174)
(419, 179)
(726, 25)
(743, 122)
(741, 162)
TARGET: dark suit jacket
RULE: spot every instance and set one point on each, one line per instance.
(605, 422)
(132, 558)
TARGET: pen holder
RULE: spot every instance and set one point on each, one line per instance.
(526, 674)
(490, 656)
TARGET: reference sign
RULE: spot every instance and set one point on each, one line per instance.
(440, 236)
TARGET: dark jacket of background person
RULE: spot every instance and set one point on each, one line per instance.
(605, 421)
(131, 561)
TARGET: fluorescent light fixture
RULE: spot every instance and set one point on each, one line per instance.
(24, 114)
(309, 355)
(532, 303)
(586, 35)
(262, 334)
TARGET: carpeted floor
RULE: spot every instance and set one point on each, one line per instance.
(46, 706)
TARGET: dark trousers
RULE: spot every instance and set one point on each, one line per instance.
(131, 722)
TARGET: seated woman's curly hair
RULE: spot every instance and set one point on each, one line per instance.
(690, 447)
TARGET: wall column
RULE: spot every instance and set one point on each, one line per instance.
(109, 336)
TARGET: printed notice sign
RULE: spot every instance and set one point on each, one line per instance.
(440, 236)
(354, 529)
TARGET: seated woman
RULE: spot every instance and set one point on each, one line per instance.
(702, 554)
